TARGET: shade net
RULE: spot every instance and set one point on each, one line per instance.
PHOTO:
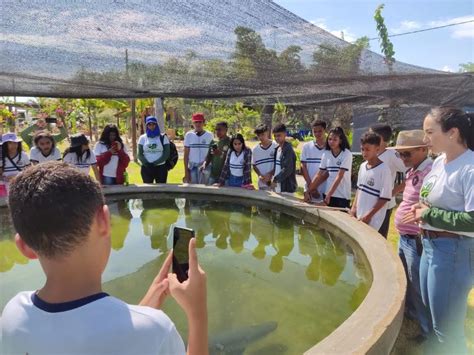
(251, 49)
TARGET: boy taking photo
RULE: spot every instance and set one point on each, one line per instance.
(61, 219)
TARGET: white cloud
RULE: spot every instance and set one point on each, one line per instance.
(349, 36)
(447, 68)
(465, 30)
(406, 26)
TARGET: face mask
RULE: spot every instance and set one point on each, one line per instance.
(153, 133)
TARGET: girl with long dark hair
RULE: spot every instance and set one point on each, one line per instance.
(112, 158)
(335, 168)
(12, 159)
(237, 170)
(44, 148)
(80, 155)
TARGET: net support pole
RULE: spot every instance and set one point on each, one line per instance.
(160, 113)
(134, 130)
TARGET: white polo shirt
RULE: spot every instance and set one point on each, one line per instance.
(333, 164)
(105, 325)
(236, 164)
(450, 186)
(395, 164)
(152, 147)
(198, 146)
(373, 184)
(36, 156)
(10, 169)
(264, 158)
(311, 154)
(83, 165)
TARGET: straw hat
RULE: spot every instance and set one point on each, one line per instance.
(410, 139)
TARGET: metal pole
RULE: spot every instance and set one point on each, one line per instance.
(134, 130)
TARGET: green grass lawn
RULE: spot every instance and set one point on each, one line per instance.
(403, 345)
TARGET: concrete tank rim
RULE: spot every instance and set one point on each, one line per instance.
(374, 326)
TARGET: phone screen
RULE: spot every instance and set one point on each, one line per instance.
(51, 120)
(181, 238)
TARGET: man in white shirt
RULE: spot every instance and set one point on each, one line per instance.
(71, 314)
(196, 147)
(263, 157)
(311, 159)
(395, 164)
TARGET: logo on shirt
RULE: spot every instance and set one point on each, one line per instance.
(339, 162)
(371, 182)
(153, 146)
(415, 180)
(427, 186)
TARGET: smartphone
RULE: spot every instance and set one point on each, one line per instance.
(51, 120)
(181, 238)
(214, 146)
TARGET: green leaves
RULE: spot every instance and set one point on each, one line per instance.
(386, 45)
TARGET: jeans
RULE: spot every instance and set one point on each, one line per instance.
(411, 262)
(446, 275)
(196, 175)
(108, 180)
(235, 181)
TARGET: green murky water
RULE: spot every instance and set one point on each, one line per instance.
(275, 284)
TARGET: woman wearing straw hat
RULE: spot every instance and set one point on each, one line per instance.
(446, 217)
(12, 160)
(414, 153)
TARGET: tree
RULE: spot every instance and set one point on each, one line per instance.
(386, 45)
(331, 60)
(466, 67)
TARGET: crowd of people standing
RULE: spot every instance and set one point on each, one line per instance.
(435, 219)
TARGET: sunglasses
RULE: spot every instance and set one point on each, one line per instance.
(405, 154)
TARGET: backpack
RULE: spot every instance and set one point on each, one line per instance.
(173, 158)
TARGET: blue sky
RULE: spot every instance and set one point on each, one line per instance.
(442, 49)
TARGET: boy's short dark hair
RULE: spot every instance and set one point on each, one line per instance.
(280, 127)
(370, 138)
(222, 124)
(52, 206)
(261, 128)
(383, 130)
(318, 123)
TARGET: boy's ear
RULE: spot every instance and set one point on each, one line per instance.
(24, 248)
(103, 221)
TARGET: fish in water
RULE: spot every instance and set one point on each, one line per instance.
(234, 341)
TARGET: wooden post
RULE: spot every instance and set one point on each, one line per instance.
(134, 130)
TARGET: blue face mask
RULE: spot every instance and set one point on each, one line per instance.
(153, 133)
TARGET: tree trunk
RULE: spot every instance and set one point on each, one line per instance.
(159, 114)
(267, 115)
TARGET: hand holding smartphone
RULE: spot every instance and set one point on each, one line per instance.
(181, 238)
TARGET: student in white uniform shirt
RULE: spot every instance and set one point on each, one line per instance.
(44, 149)
(111, 155)
(80, 155)
(71, 314)
(196, 147)
(374, 187)
(446, 217)
(237, 170)
(153, 151)
(13, 160)
(335, 169)
(263, 157)
(311, 159)
(392, 159)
